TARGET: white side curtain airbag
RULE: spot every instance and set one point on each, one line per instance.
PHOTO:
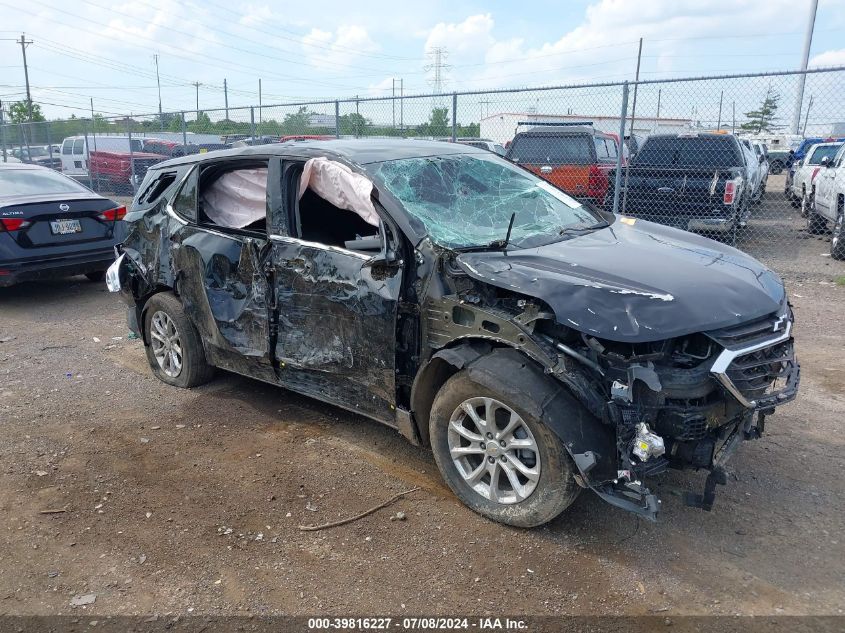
(339, 185)
(238, 198)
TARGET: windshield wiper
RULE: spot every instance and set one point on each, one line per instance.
(503, 244)
(578, 229)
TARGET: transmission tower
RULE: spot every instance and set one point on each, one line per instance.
(438, 56)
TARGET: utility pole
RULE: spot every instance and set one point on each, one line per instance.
(401, 104)
(197, 86)
(23, 42)
(93, 126)
(259, 99)
(807, 116)
(733, 117)
(802, 79)
(719, 122)
(158, 82)
(226, 97)
(631, 127)
(393, 99)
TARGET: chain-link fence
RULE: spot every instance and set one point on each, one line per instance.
(752, 160)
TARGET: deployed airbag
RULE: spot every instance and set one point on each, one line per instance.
(238, 198)
(339, 185)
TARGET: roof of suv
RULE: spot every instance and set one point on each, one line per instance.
(358, 151)
(562, 130)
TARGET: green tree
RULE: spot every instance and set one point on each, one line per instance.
(762, 119)
(355, 124)
(176, 123)
(201, 124)
(297, 122)
(19, 112)
(438, 123)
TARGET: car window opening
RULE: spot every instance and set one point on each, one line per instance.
(335, 207)
(236, 199)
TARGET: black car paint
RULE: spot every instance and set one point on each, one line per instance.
(379, 334)
(612, 283)
(683, 195)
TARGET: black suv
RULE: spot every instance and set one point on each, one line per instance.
(537, 345)
(696, 182)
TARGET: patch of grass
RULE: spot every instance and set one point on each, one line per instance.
(840, 281)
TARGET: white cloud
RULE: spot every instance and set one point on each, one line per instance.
(327, 50)
(604, 45)
(829, 58)
(256, 15)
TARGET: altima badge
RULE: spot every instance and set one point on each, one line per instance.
(64, 207)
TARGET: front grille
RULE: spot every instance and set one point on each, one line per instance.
(757, 372)
(751, 332)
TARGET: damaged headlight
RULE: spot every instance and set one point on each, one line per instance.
(647, 444)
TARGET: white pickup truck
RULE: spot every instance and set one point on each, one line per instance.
(805, 172)
(828, 206)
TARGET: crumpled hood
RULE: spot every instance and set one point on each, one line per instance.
(636, 282)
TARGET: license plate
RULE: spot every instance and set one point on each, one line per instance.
(65, 227)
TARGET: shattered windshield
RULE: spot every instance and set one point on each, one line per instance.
(467, 200)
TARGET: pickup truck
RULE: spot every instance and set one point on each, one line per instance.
(828, 204)
(696, 182)
(577, 159)
(120, 172)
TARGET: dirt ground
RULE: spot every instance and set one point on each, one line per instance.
(189, 501)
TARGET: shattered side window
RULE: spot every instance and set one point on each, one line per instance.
(466, 200)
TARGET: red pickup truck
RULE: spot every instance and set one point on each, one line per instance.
(576, 159)
(113, 171)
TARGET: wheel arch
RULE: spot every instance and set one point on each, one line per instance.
(589, 441)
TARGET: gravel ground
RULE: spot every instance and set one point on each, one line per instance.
(189, 501)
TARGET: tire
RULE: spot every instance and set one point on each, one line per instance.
(554, 488)
(837, 239)
(806, 203)
(97, 275)
(816, 224)
(776, 167)
(162, 310)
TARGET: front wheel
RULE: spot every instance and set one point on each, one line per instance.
(497, 458)
(174, 349)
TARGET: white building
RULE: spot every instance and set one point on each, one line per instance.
(502, 126)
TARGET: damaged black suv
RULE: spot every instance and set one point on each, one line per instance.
(538, 346)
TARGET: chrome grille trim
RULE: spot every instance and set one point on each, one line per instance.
(724, 360)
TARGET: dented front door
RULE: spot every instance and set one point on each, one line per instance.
(337, 325)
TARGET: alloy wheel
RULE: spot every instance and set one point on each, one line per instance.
(494, 451)
(166, 344)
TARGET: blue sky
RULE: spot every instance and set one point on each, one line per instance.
(327, 49)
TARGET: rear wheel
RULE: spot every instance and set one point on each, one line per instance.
(816, 224)
(496, 457)
(776, 167)
(837, 239)
(173, 346)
